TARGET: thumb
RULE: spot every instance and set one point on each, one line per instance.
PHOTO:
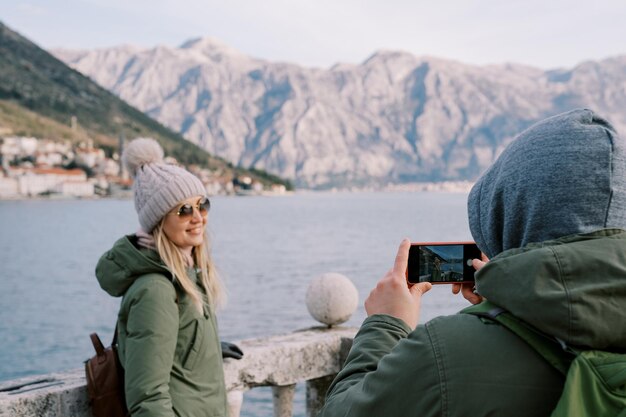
(478, 264)
(421, 288)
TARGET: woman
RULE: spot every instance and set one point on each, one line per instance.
(167, 331)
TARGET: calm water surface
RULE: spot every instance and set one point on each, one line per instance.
(267, 248)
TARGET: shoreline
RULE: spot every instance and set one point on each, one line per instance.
(436, 187)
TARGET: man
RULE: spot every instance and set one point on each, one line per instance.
(549, 213)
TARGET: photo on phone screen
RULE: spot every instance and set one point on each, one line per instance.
(441, 263)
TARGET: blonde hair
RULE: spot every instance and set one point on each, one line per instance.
(208, 278)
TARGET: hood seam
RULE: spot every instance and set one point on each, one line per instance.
(479, 217)
(566, 290)
(441, 369)
(611, 176)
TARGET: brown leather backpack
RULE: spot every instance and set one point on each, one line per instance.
(105, 380)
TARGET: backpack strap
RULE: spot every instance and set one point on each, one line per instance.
(97, 345)
(555, 352)
(114, 342)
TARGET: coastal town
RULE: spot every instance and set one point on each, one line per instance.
(42, 168)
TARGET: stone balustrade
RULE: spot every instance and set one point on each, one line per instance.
(313, 355)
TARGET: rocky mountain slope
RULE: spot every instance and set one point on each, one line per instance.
(394, 118)
(40, 95)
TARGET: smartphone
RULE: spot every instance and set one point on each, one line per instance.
(442, 263)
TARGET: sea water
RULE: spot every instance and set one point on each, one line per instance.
(267, 249)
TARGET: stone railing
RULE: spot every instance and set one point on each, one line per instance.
(312, 355)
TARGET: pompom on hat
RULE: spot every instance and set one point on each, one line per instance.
(158, 187)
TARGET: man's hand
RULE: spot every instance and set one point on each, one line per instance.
(393, 296)
(468, 289)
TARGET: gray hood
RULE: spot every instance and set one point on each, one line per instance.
(562, 176)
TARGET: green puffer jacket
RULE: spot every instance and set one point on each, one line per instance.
(461, 365)
(170, 351)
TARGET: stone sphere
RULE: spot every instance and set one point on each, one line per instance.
(331, 298)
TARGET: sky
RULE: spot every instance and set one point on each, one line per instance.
(321, 33)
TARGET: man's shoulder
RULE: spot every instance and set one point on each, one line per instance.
(470, 332)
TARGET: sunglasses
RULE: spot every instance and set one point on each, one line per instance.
(186, 210)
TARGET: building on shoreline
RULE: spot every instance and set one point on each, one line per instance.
(39, 181)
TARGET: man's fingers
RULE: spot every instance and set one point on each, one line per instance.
(422, 288)
(402, 258)
(470, 295)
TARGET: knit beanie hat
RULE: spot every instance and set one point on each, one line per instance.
(158, 187)
(564, 175)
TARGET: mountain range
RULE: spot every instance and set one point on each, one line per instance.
(394, 118)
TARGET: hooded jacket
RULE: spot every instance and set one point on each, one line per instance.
(170, 351)
(570, 286)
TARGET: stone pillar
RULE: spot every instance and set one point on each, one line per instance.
(283, 400)
(316, 394)
(235, 400)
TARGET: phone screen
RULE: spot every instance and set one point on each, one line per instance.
(441, 262)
